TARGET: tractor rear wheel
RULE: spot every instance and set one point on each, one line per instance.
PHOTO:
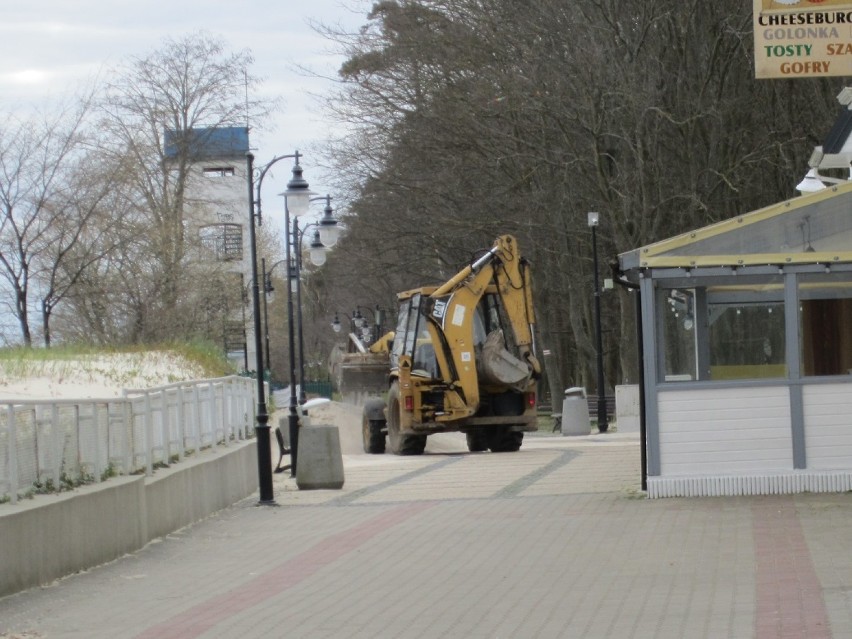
(505, 441)
(372, 436)
(477, 441)
(401, 443)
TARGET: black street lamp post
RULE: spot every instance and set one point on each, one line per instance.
(297, 187)
(603, 423)
(267, 289)
(266, 286)
(337, 326)
(262, 429)
(358, 323)
(324, 238)
(368, 333)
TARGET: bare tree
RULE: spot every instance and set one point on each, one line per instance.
(37, 158)
(91, 231)
(471, 117)
(153, 114)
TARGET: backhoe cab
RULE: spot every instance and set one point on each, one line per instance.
(462, 360)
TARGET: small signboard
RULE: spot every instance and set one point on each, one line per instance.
(802, 38)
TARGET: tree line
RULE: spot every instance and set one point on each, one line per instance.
(95, 212)
(473, 118)
(465, 119)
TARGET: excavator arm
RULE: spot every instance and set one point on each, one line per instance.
(469, 349)
(463, 359)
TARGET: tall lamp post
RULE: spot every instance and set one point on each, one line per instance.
(336, 325)
(297, 193)
(603, 423)
(357, 323)
(369, 333)
(262, 430)
(267, 289)
(324, 238)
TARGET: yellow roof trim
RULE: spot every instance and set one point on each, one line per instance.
(740, 221)
(754, 259)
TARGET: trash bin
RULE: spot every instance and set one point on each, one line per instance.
(575, 412)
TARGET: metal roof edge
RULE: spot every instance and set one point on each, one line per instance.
(741, 221)
(753, 259)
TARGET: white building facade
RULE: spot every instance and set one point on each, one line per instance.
(746, 342)
(218, 215)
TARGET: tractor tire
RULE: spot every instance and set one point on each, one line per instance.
(505, 441)
(399, 443)
(372, 436)
(477, 441)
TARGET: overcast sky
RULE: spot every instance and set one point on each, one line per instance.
(47, 47)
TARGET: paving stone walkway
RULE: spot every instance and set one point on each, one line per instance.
(553, 541)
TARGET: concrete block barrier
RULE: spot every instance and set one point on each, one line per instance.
(320, 462)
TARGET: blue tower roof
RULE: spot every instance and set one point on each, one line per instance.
(208, 143)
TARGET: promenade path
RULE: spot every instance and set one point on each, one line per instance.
(555, 540)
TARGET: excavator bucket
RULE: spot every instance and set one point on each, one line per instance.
(360, 376)
(499, 366)
(363, 373)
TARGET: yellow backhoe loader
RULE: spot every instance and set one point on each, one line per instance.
(463, 359)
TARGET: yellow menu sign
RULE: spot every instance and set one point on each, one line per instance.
(802, 38)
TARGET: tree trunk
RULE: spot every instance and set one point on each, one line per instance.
(45, 320)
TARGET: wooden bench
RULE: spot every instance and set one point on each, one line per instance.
(592, 401)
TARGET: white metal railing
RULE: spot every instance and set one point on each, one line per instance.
(50, 443)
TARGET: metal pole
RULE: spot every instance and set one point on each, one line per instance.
(265, 313)
(293, 417)
(603, 424)
(261, 429)
(302, 397)
(643, 445)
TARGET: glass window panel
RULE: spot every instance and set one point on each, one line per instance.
(731, 330)
(402, 342)
(746, 340)
(678, 319)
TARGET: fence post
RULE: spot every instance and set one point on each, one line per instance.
(127, 414)
(223, 413)
(164, 426)
(57, 445)
(234, 402)
(13, 453)
(149, 435)
(98, 465)
(196, 416)
(76, 431)
(181, 426)
(214, 417)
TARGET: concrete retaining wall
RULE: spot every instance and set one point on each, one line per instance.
(56, 535)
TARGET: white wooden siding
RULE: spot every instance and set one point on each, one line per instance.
(724, 431)
(828, 426)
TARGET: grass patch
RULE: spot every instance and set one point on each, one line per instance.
(61, 361)
(207, 355)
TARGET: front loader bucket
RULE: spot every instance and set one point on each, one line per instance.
(360, 376)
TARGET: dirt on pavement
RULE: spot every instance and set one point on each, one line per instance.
(347, 418)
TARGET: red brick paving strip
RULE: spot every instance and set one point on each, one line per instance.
(204, 616)
(789, 595)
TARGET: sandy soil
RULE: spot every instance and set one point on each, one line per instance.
(347, 418)
(100, 376)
